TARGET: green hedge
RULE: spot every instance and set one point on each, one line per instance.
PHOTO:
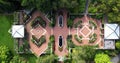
(38, 42)
(70, 42)
(79, 39)
(92, 24)
(78, 24)
(39, 21)
(93, 38)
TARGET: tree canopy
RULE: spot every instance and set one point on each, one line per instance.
(4, 52)
(109, 8)
(102, 58)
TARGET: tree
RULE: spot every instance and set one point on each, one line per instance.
(46, 59)
(109, 8)
(7, 6)
(18, 59)
(117, 44)
(4, 53)
(83, 53)
(102, 58)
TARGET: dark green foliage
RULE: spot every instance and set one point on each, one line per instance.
(70, 42)
(78, 38)
(47, 59)
(38, 21)
(107, 8)
(117, 44)
(70, 23)
(92, 24)
(39, 41)
(93, 38)
(52, 38)
(78, 24)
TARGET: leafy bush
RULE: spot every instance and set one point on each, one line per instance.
(70, 42)
(52, 24)
(52, 38)
(78, 24)
(92, 24)
(38, 21)
(93, 38)
(79, 39)
(38, 42)
(117, 44)
(70, 23)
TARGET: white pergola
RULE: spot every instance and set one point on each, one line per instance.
(111, 31)
(18, 31)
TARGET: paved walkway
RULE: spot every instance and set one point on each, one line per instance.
(58, 31)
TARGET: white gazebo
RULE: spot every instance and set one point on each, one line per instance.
(111, 31)
(17, 31)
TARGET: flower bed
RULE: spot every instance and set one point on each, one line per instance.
(78, 38)
(38, 21)
(93, 38)
(78, 24)
(39, 41)
(92, 24)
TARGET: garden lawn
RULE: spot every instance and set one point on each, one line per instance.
(5, 38)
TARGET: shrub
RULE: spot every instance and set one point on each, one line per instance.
(38, 21)
(78, 24)
(79, 39)
(52, 24)
(70, 23)
(52, 38)
(92, 24)
(38, 42)
(117, 44)
(70, 42)
(93, 38)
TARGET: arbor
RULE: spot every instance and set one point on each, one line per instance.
(102, 58)
(4, 52)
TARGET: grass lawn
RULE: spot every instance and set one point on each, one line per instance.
(5, 37)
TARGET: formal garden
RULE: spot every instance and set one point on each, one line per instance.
(100, 10)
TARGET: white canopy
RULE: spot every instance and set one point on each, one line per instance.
(18, 31)
(111, 31)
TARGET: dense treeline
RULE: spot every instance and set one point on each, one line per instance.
(7, 6)
(109, 8)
